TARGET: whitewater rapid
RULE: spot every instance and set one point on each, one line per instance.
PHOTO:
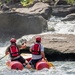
(55, 26)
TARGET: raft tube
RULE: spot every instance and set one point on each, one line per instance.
(41, 64)
(18, 66)
(14, 65)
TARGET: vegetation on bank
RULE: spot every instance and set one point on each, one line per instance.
(29, 2)
(71, 1)
(26, 2)
(23, 2)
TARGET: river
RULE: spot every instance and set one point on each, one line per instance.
(61, 68)
(55, 26)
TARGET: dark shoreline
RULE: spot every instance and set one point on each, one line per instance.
(53, 55)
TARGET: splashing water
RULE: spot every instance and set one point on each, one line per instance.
(55, 25)
(61, 68)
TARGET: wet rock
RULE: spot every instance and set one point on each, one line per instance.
(63, 10)
(58, 47)
(4, 7)
(62, 2)
(40, 8)
(69, 17)
(17, 25)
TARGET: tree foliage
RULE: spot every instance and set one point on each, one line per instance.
(26, 2)
(23, 2)
(71, 1)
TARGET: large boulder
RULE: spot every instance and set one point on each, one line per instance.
(17, 25)
(38, 8)
(58, 47)
(19, 21)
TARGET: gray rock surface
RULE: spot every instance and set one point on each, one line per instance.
(58, 47)
(19, 21)
(40, 8)
(63, 10)
(69, 17)
(63, 43)
(17, 25)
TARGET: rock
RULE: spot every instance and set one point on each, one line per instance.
(58, 47)
(63, 11)
(62, 43)
(40, 8)
(4, 7)
(17, 25)
(20, 21)
(62, 2)
(69, 17)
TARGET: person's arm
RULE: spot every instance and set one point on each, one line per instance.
(30, 49)
(23, 46)
(43, 55)
(42, 52)
(7, 51)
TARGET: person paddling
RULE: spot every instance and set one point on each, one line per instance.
(14, 51)
(37, 51)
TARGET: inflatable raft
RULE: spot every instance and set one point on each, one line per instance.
(18, 66)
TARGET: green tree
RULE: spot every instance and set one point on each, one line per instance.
(26, 2)
(71, 1)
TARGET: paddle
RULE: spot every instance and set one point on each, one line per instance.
(2, 57)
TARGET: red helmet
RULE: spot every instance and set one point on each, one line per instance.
(38, 39)
(13, 40)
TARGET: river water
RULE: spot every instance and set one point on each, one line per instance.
(55, 26)
(61, 68)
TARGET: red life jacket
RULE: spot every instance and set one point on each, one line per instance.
(14, 51)
(36, 49)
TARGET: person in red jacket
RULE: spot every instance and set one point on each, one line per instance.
(37, 51)
(14, 51)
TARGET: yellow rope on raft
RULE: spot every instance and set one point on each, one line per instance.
(50, 64)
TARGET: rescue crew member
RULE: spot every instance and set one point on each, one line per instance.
(37, 51)
(14, 51)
